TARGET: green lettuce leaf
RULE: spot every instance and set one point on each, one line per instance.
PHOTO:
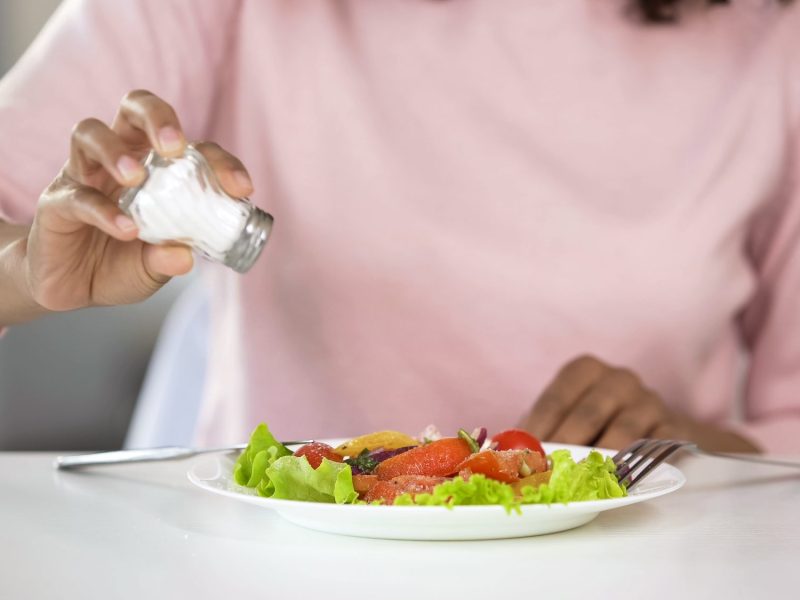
(262, 451)
(590, 479)
(293, 478)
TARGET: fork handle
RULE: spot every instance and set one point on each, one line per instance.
(123, 456)
(747, 458)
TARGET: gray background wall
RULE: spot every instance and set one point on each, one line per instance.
(70, 381)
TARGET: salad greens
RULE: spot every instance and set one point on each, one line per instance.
(270, 468)
(262, 450)
(273, 471)
(590, 479)
(293, 478)
(478, 489)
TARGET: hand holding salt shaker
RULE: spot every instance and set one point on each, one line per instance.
(182, 201)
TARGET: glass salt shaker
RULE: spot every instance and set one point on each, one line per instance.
(182, 201)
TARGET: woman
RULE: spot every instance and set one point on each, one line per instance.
(468, 195)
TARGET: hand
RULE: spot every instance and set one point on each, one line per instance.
(592, 403)
(82, 250)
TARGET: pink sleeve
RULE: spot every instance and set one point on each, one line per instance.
(771, 324)
(88, 56)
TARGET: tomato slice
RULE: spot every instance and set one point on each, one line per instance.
(517, 439)
(533, 481)
(316, 451)
(492, 464)
(507, 466)
(437, 459)
(364, 483)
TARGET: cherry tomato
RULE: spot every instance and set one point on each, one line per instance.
(516, 439)
(316, 451)
(437, 459)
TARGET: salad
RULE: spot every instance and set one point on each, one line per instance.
(392, 468)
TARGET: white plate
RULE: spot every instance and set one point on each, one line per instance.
(214, 473)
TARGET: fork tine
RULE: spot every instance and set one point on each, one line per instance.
(645, 451)
(661, 453)
(629, 450)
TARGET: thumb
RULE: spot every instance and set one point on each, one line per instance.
(162, 262)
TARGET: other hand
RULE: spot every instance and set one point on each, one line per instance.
(593, 403)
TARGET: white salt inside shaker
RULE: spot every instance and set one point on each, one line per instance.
(182, 201)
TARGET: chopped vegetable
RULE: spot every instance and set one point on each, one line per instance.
(478, 489)
(387, 491)
(507, 466)
(316, 451)
(430, 434)
(363, 483)
(363, 463)
(473, 444)
(382, 455)
(516, 439)
(387, 440)
(480, 436)
(592, 478)
(367, 461)
(533, 481)
(437, 459)
(446, 472)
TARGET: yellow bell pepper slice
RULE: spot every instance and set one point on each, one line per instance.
(388, 440)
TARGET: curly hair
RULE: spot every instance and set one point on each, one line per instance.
(666, 11)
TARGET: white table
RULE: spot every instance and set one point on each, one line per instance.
(143, 531)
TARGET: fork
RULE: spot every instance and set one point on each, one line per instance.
(115, 457)
(638, 460)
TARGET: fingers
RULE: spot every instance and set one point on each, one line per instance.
(164, 262)
(558, 398)
(664, 432)
(596, 408)
(68, 206)
(94, 146)
(635, 421)
(132, 272)
(230, 171)
(146, 121)
(592, 403)
(143, 121)
(676, 427)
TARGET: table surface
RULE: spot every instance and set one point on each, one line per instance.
(141, 531)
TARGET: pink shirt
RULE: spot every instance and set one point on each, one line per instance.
(467, 194)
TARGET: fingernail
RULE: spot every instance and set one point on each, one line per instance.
(129, 168)
(243, 180)
(170, 139)
(125, 223)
